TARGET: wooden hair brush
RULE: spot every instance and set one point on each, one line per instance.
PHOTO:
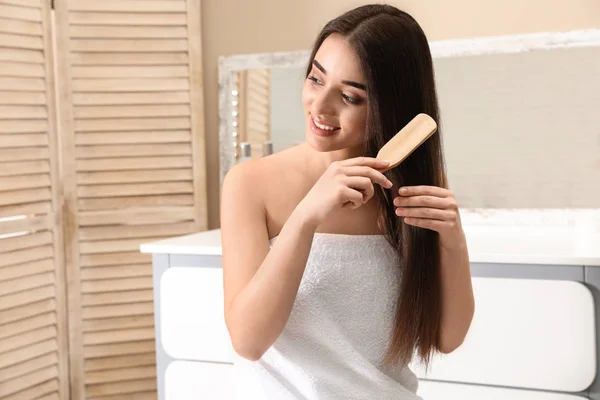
(407, 140)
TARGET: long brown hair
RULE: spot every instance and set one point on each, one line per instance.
(396, 61)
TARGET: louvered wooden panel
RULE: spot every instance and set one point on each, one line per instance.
(254, 108)
(133, 145)
(33, 315)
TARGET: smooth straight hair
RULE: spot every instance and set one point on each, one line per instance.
(396, 60)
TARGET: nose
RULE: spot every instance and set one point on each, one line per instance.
(323, 103)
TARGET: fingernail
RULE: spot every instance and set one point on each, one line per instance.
(384, 162)
(403, 190)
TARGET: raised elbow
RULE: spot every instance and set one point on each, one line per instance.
(453, 339)
(248, 340)
(247, 350)
(453, 336)
(243, 345)
(448, 346)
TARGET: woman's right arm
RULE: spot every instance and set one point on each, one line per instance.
(259, 285)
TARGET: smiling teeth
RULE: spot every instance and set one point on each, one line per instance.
(324, 127)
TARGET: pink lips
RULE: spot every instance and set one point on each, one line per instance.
(321, 132)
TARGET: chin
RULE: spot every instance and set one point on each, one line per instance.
(325, 145)
(321, 144)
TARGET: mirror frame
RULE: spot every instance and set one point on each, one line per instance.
(439, 49)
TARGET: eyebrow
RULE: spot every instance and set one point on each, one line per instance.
(350, 83)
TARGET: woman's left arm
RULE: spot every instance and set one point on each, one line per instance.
(435, 208)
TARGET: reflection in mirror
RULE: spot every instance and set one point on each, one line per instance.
(267, 111)
(260, 107)
(251, 108)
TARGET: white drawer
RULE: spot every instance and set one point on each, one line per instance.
(535, 334)
(189, 380)
(192, 319)
(454, 391)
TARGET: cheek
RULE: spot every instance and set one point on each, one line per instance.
(355, 119)
(307, 94)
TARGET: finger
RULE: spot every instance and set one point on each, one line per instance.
(424, 201)
(424, 190)
(373, 174)
(427, 213)
(360, 183)
(365, 161)
(353, 197)
(431, 224)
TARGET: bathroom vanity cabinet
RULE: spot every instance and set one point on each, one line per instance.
(534, 335)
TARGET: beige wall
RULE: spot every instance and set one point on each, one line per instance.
(254, 26)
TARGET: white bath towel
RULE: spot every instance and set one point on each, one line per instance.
(338, 331)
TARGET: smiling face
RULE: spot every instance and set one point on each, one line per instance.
(335, 98)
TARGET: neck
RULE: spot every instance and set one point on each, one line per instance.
(319, 161)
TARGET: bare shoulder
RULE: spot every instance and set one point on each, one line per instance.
(262, 173)
(274, 184)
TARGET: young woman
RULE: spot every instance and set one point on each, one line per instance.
(337, 275)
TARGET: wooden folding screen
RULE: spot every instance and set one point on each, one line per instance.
(115, 161)
(132, 145)
(33, 318)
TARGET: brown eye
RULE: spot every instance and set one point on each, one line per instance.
(315, 80)
(351, 100)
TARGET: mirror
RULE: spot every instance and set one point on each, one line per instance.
(518, 115)
(259, 102)
(266, 108)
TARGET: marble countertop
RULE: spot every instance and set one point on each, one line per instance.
(546, 238)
